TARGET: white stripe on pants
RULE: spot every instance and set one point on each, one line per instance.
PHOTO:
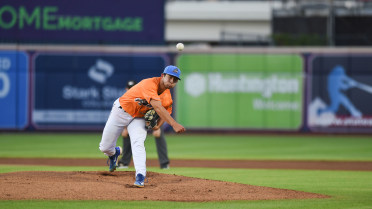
(115, 124)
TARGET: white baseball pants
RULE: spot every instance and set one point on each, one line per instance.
(115, 124)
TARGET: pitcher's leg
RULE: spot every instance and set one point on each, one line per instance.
(127, 151)
(109, 137)
(117, 120)
(137, 134)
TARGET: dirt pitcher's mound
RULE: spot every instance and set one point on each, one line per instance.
(118, 185)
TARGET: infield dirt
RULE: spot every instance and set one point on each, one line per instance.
(95, 185)
(118, 185)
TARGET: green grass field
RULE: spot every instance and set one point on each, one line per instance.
(349, 189)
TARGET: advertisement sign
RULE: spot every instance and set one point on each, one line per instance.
(78, 90)
(82, 21)
(240, 91)
(340, 93)
(13, 89)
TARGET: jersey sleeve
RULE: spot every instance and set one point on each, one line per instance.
(150, 92)
(169, 109)
(167, 101)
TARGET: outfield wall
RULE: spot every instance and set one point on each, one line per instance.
(246, 89)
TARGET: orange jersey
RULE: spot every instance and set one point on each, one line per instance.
(136, 101)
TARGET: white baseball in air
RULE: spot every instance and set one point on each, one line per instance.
(180, 46)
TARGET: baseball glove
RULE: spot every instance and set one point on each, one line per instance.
(151, 119)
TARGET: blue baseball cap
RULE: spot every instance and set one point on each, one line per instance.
(173, 71)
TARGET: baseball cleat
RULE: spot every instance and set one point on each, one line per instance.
(140, 180)
(165, 166)
(114, 159)
(122, 166)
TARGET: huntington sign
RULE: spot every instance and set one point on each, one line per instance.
(248, 91)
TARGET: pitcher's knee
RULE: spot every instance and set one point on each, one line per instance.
(104, 149)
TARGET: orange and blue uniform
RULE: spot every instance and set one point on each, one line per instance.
(136, 101)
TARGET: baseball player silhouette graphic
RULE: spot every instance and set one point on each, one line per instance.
(338, 82)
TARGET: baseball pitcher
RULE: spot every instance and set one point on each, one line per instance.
(129, 111)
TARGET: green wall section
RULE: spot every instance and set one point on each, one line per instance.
(258, 91)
